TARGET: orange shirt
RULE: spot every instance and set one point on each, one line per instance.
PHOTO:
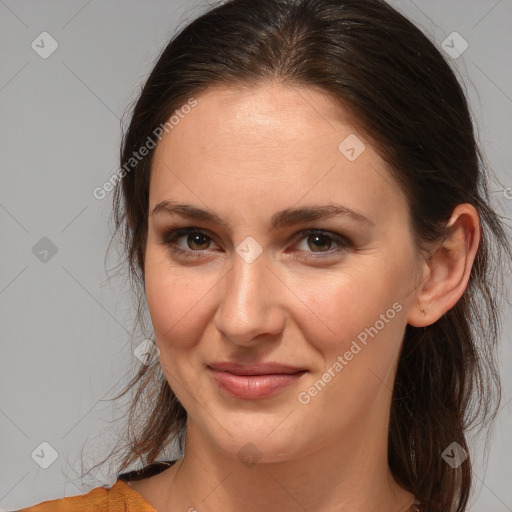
(119, 498)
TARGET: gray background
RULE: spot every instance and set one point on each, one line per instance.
(65, 346)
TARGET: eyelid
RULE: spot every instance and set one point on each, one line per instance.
(343, 242)
(173, 234)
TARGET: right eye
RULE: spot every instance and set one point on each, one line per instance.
(193, 238)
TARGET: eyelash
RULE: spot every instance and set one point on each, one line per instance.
(172, 236)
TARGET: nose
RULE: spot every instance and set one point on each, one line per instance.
(251, 304)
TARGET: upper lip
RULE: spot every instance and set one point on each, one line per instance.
(254, 369)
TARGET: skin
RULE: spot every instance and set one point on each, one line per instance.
(246, 153)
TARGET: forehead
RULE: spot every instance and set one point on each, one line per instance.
(271, 144)
(268, 112)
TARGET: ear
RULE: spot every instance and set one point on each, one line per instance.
(446, 272)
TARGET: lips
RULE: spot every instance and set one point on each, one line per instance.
(254, 369)
(254, 381)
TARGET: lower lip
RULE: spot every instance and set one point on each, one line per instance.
(250, 387)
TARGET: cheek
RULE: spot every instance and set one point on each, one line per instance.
(365, 304)
(340, 305)
(177, 299)
(365, 312)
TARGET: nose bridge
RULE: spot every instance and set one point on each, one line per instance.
(249, 302)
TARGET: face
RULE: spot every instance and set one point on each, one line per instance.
(275, 239)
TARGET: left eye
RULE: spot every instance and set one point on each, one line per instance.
(320, 242)
(197, 242)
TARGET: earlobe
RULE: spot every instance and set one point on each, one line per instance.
(448, 269)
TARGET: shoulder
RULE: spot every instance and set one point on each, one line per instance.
(118, 498)
(100, 499)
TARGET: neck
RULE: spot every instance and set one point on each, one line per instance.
(347, 474)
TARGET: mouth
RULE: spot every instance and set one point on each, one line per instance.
(255, 381)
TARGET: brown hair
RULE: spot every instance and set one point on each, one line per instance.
(411, 107)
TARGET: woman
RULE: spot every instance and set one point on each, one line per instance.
(304, 207)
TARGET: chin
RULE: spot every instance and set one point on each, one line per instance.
(255, 439)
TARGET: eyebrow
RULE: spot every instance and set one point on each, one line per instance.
(283, 218)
